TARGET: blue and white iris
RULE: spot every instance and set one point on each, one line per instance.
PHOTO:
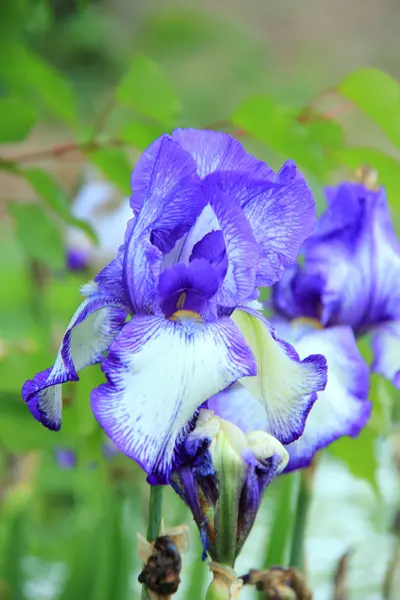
(170, 319)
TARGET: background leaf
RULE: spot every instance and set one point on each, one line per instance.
(17, 117)
(377, 94)
(146, 88)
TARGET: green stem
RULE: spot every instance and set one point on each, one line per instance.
(300, 522)
(154, 521)
(155, 512)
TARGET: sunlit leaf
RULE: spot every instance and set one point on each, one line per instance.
(17, 117)
(40, 235)
(48, 188)
(115, 165)
(146, 88)
(377, 94)
(284, 129)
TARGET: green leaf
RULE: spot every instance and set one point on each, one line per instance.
(359, 454)
(52, 193)
(39, 234)
(283, 129)
(28, 74)
(14, 553)
(17, 117)
(115, 165)
(146, 88)
(283, 492)
(140, 135)
(377, 94)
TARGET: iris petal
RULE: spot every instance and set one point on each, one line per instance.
(159, 372)
(343, 407)
(284, 385)
(90, 332)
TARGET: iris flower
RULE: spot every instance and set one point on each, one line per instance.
(210, 225)
(348, 286)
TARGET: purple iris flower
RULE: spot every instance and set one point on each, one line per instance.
(169, 317)
(348, 285)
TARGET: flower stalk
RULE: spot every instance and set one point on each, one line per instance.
(303, 504)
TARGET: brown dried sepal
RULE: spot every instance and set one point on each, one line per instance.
(280, 584)
(161, 573)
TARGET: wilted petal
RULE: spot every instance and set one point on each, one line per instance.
(216, 151)
(159, 372)
(386, 348)
(284, 385)
(343, 407)
(355, 251)
(90, 332)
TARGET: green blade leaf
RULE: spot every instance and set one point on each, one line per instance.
(146, 88)
(115, 164)
(52, 193)
(39, 234)
(17, 117)
(377, 94)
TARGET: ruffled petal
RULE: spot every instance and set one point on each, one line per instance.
(343, 407)
(216, 151)
(355, 251)
(166, 185)
(90, 332)
(285, 386)
(159, 372)
(281, 218)
(386, 348)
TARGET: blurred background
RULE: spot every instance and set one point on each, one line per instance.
(85, 86)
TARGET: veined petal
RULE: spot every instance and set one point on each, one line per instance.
(159, 372)
(386, 348)
(343, 407)
(241, 247)
(281, 218)
(169, 190)
(355, 251)
(284, 385)
(216, 151)
(90, 332)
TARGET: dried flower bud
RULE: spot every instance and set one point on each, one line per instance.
(161, 573)
(279, 584)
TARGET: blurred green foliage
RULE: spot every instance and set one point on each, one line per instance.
(64, 67)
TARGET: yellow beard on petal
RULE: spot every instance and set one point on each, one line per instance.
(186, 315)
(307, 321)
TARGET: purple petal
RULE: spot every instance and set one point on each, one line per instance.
(171, 199)
(216, 151)
(281, 218)
(159, 372)
(343, 407)
(90, 332)
(386, 348)
(212, 248)
(355, 251)
(77, 260)
(298, 294)
(241, 247)
(187, 287)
